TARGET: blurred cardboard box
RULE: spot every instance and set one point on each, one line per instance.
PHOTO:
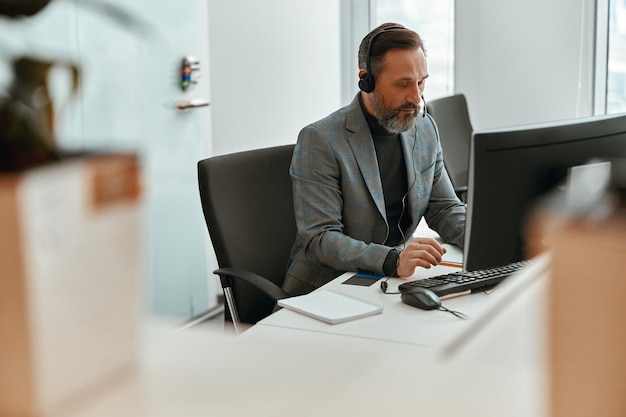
(587, 319)
(70, 293)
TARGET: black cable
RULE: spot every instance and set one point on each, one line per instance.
(384, 286)
(456, 313)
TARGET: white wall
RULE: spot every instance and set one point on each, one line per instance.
(275, 67)
(130, 82)
(524, 62)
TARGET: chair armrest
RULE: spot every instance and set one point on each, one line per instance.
(260, 282)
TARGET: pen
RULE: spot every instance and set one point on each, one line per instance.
(453, 264)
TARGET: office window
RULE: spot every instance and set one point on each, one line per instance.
(434, 21)
(616, 59)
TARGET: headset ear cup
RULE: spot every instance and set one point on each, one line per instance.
(365, 84)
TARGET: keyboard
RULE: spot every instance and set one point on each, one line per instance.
(462, 281)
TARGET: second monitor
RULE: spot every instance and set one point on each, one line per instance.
(509, 169)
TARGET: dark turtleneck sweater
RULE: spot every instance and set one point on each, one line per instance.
(393, 177)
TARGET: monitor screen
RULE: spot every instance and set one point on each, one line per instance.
(510, 169)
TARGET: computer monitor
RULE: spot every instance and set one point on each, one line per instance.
(509, 169)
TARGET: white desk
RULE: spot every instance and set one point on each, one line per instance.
(399, 322)
(402, 323)
(312, 371)
(276, 371)
(404, 361)
(494, 364)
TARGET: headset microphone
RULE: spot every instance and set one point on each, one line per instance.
(424, 111)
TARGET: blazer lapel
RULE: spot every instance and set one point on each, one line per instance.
(364, 152)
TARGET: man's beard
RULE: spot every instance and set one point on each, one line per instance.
(390, 118)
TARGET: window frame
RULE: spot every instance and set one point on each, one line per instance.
(358, 17)
(601, 57)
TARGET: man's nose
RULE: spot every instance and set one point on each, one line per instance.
(414, 95)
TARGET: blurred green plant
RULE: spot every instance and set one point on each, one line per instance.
(27, 110)
(27, 115)
(18, 8)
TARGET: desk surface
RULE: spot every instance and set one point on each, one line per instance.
(491, 366)
(401, 323)
(275, 371)
(404, 361)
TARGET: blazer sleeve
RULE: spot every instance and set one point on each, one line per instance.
(320, 170)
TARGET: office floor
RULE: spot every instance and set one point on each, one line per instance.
(211, 320)
(214, 323)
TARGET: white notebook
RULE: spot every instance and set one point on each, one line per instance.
(331, 306)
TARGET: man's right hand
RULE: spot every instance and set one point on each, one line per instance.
(421, 251)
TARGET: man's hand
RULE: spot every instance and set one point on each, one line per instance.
(421, 251)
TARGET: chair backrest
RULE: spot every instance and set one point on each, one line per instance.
(247, 202)
(455, 130)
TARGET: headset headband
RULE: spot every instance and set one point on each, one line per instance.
(366, 81)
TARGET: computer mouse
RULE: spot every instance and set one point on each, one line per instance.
(421, 298)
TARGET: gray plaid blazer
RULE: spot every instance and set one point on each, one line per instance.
(339, 203)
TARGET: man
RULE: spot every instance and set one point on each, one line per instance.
(365, 175)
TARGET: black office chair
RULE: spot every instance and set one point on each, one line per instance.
(455, 130)
(247, 202)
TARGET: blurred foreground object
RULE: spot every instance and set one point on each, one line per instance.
(27, 109)
(591, 193)
(587, 311)
(583, 227)
(70, 294)
(19, 8)
(27, 114)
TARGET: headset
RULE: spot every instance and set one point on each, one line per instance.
(366, 81)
